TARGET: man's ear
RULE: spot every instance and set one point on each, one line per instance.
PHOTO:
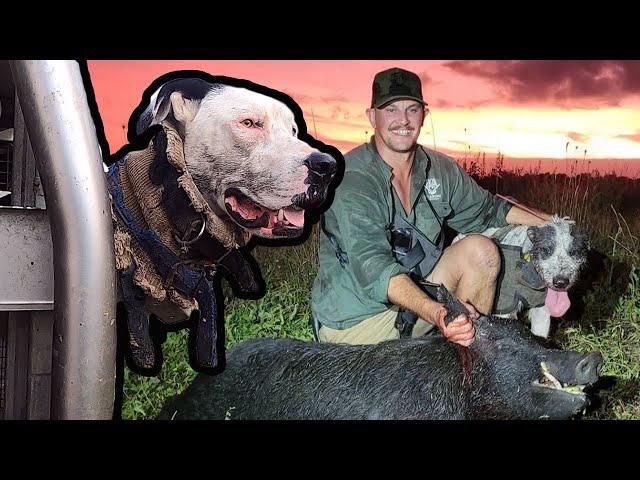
(371, 115)
(425, 112)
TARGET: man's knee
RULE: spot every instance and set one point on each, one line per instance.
(483, 254)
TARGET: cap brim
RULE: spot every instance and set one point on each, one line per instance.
(381, 103)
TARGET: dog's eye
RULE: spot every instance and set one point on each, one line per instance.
(294, 130)
(248, 122)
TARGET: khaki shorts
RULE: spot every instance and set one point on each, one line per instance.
(375, 329)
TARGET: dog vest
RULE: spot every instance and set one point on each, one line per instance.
(168, 245)
(518, 280)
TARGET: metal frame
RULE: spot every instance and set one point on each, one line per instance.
(63, 137)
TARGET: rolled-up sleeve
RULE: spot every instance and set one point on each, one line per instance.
(359, 214)
(474, 208)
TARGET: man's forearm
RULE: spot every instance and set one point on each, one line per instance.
(518, 216)
(405, 293)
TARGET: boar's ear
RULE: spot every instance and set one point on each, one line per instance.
(180, 97)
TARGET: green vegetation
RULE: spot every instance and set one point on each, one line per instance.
(605, 316)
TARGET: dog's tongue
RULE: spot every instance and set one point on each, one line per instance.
(557, 302)
(295, 217)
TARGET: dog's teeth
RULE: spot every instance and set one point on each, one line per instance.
(280, 215)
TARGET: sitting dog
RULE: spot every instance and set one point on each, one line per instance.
(223, 163)
(540, 264)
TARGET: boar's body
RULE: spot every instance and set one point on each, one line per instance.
(399, 379)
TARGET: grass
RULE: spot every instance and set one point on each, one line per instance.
(282, 312)
(618, 339)
(144, 396)
(606, 312)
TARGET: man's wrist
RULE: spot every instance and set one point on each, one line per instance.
(432, 311)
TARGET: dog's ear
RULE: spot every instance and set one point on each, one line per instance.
(533, 233)
(580, 243)
(180, 98)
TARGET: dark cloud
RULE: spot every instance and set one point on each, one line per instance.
(571, 83)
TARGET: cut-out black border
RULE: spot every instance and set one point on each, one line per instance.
(140, 141)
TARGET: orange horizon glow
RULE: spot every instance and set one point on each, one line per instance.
(533, 113)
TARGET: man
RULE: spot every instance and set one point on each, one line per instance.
(395, 195)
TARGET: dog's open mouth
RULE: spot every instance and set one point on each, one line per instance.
(284, 222)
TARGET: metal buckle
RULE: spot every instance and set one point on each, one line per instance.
(186, 242)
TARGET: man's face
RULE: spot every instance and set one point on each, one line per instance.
(398, 124)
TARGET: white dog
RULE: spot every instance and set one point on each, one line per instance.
(243, 152)
(226, 164)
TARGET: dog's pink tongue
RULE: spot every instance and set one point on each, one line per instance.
(295, 217)
(557, 302)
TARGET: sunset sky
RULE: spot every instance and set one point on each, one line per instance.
(582, 111)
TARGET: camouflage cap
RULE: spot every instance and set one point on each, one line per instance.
(396, 84)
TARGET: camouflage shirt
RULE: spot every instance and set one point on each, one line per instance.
(359, 218)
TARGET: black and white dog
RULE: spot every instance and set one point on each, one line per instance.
(557, 251)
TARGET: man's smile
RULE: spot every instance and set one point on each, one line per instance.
(402, 131)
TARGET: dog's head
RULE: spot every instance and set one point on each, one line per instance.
(243, 152)
(559, 249)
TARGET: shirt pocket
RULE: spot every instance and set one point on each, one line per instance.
(427, 222)
(442, 209)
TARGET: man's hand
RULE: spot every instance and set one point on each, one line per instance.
(461, 329)
(405, 293)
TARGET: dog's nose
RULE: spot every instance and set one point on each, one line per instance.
(321, 163)
(560, 282)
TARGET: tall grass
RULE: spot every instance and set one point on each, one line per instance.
(596, 202)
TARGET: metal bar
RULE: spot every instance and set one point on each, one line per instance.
(63, 136)
(39, 376)
(26, 306)
(19, 156)
(17, 356)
